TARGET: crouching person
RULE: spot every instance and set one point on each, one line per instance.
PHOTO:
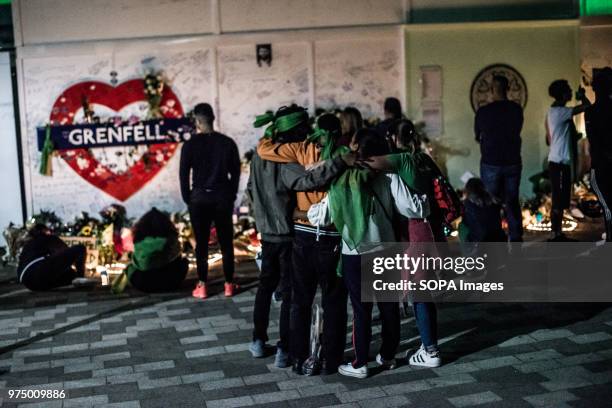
(46, 262)
(157, 264)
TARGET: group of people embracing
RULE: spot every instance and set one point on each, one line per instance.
(321, 202)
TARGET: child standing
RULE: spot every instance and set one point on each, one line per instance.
(560, 131)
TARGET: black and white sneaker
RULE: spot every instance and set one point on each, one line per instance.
(423, 358)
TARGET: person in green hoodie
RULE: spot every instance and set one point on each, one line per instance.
(157, 264)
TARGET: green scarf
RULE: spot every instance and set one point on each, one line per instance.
(149, 253)
(350, 204)
(325, 140)
(281, 124)
(47, 151)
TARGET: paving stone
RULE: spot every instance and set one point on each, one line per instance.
(122, 404)
(551, 334)
(591, 337)
(92, 382)
(199, 339)
(270, 397)
(474, 399)
(85, 401)
(406, 387)
(205, 352)
(300, 383)
(264, 378)
(157, 365)
(148, 383)
(314, 390)
(539, 355)
(550, 399)
(536, 366)
(361, 394)
(385, 402)
(231, 402)
(202, 377)
(496, 362)
(221, 384)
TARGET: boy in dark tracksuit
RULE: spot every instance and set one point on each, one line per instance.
(271, 188)
(316, 252)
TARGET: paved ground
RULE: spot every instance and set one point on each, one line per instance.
(171, 350)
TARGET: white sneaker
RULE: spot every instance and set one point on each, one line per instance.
(350, 371)
(387, 364)
(423, 358)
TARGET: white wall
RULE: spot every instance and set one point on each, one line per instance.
(10, 204)
(308, 68)
(55, 21)
(254, 15)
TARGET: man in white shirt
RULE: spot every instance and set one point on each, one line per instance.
(560, 131)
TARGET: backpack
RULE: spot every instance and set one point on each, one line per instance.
(447, 199)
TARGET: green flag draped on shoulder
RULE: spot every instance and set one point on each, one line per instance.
(350, 204)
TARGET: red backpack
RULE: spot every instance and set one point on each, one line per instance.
(447, 199)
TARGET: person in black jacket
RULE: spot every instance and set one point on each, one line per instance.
(46, 262)
(393, 113)
(211, 162)
(599, 133)
(497, 129)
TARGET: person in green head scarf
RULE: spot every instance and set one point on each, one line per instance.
(417, 170)
(415, 167)
(157, 264)
(316, 251)
(362, 208)
(272, 188)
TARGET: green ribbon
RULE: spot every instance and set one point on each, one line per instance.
(262, 120)
(47, 151)
(325, 140)
(281, 124)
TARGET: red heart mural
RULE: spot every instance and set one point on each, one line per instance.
(84, 163)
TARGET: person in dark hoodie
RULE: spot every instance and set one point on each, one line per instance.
(393, 112)
(157, 264)
(46, 262)
(271, 188)
(481, 221)
(599, 133)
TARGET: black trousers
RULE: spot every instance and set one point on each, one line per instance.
(56, 270)
(362, 316)
(275, 269)
(601, 181)
(314, 264)
(166, 278)
(203, 214)
(561, 186)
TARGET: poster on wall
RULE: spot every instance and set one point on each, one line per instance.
(431, 83)
(115, 130)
